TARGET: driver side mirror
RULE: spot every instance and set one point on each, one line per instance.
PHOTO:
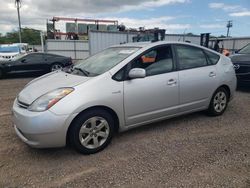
(23, 60)
(137, 73)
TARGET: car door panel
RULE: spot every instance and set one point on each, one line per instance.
(27, 63)
(197, 79)
(151, 97)
(196, 87)
(156, 95)
(17, 65)
(36, 62)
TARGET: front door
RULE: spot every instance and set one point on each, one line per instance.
(30, 62)
(155, 96)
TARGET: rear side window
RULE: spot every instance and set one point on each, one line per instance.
(190, 57)
(212, 57)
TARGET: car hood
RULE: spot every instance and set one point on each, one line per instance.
(237, 58)
(47, 83)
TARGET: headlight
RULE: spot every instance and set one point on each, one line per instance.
(47, 100)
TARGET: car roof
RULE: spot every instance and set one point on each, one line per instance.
(43, 53)
(149, 44)
(152, 44)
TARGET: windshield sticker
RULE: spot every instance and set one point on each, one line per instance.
(127, 51)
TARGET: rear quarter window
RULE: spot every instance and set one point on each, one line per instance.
(212, 57)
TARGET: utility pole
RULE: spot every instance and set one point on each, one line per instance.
(41, 35)
(18, 6)
(229, 25)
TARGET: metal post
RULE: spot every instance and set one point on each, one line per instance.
(41, 34)
(18, 5)
(229, 25)
(75, 47)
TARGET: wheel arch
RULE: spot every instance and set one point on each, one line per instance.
(55, 63)
(108, 109)
(227, 88)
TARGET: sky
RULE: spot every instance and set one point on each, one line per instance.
(176, 16)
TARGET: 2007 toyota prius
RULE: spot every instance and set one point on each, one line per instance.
(120, 88)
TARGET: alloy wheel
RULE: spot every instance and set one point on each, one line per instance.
(56, 67)
(94, 132)
(220, 101)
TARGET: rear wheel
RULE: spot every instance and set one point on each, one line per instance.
(92, 131)
(55, 67)
(218, 102)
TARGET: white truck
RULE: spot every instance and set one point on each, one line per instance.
(12, 51)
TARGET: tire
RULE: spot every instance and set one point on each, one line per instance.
(219, 102)
(1, 74)
(91, 131)
(55, 67)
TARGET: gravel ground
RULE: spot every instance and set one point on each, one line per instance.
(188, 151)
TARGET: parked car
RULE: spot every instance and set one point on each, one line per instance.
(9, 52)
(241, 61)
(35, 62)
(121, 88)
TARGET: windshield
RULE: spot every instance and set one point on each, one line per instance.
(9, 49)
(245, 50)
(104, 61)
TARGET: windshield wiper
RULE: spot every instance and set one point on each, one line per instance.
(86, 73)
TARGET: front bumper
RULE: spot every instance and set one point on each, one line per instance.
(40, 129)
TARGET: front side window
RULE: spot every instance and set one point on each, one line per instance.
(32, 58)
(156, 61)
(190, 57)
(103, 61)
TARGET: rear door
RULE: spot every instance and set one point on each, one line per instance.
(197, 78)
(156, 95)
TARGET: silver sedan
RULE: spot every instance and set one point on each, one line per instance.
(121, 88)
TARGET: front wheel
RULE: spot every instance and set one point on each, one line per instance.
(218, 102)
(1, 73)
(92, 131)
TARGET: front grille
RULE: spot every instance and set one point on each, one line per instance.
(242, 69)
(22, 104)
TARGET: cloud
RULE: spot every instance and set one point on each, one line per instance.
(225, 7)
(160, 22)
(150, 5)
(34, 13)
(240, 14)
(234, 10)
(97, 6)
(212, 26)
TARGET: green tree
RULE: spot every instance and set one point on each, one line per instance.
(29, 35)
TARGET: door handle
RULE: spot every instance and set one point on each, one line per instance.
(212, 74)
(172, 82)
